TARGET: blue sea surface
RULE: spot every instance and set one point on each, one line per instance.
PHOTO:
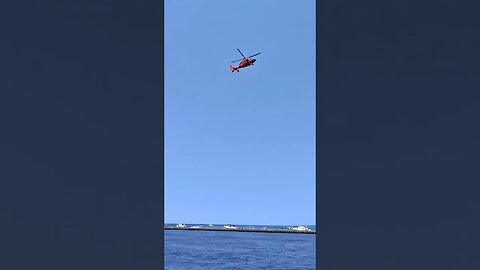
(238, 250)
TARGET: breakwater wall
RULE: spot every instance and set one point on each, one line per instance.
(240, 230)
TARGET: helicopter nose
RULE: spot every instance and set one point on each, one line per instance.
(253, 60)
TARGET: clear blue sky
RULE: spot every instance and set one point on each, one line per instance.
(240, 148)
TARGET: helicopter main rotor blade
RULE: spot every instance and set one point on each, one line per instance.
(254, 55)
(241, 53)
(236, 60)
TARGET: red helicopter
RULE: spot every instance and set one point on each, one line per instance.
(246, 61)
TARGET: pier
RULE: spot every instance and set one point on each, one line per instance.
(239, 230)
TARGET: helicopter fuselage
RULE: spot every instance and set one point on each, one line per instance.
(246, 62)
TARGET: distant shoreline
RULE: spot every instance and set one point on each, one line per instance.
(239, 230)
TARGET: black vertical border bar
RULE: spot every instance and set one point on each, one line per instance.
(162, 123)
(317, 96)
(52, 216)
(420, 211)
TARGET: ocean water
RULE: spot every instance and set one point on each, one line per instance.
(196, 250)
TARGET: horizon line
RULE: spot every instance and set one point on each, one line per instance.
(239, 224)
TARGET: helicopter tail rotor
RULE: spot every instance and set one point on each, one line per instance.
(232, 69)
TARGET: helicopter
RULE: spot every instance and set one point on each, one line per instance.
(246, 61)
